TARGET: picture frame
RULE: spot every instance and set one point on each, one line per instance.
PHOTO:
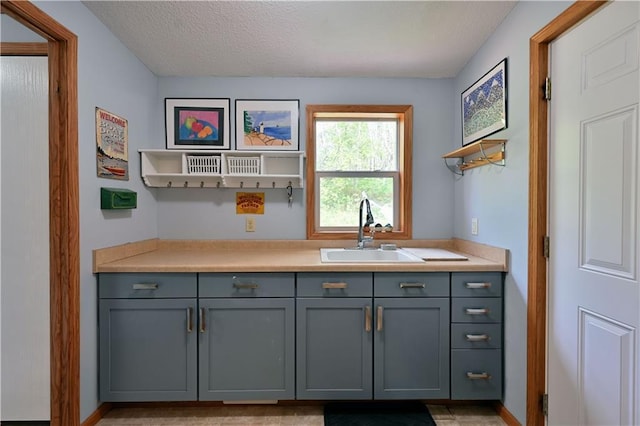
(267, 125)
(484, 105)
(197, 123)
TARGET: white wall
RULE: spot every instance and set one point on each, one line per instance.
(210, 213)
(498, 196)
(110, 77)
(25, 237)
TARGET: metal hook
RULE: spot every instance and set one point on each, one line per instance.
(201, 184)
(273, 184)
(218, 184)
(241, 184)
(257, 184)
(169, 184)
(186, 184)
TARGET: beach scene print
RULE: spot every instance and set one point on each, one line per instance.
(267, 128)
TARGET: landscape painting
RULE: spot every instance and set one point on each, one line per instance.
(484, 105)
(267, 124)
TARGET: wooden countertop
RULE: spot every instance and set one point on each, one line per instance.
(157, 255)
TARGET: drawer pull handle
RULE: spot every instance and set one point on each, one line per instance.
(478, 376)
(189, 319)
(202, 324)
(477, 337)
(476, 311)
(245, 286)
(367, 318)
(379, 319)
(145, 286)
(329, 286)
(412, 285)
(478, 285)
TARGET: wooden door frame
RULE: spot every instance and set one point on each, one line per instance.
(64, 226)
(538, 196)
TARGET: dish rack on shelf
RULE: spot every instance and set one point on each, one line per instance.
(243, 165)
(203, 164)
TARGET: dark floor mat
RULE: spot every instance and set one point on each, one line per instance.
(400, 413)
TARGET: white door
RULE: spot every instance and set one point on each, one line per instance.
(24, 277)
(593, 300)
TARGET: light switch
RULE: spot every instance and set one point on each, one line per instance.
(250, 225)
(474, 226)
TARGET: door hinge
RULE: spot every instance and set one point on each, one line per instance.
(545, 404)
(545, 247)
(547, 88)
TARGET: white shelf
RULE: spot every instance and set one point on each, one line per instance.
(164, 168)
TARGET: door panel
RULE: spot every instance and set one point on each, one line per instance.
(594, 297)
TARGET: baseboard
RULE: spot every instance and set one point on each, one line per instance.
(506, 415)
(100, 412)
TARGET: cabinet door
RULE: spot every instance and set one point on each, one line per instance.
(411, 348)
(334, 348)
(148, 350)
(246, 349)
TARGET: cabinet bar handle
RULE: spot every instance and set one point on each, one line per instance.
(328, 286)
(145, 286)
(202, 324)
(477, 337)
(245, 286)
(478, 285)
(412, 285)
(478, 376)
(379, 319)
(476, 311)
(189, 319)
(367, 318)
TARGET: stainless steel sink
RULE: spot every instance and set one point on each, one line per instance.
(334, 255)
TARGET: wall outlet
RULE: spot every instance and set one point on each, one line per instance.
(474, 226)
(250, 225)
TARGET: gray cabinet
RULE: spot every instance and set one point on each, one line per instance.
(476, 335)
(380, 336)
(246, 344)
(411, 336)
(147, 335)
(334, 336)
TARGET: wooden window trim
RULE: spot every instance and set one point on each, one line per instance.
(406, 182)
(23, 49)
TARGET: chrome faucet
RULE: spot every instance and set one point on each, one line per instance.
(362, 240)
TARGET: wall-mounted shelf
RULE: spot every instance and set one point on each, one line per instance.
(476, 154)
(222, 169)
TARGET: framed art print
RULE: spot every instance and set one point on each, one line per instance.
(197, 123)
(264, 125)
(484, 105)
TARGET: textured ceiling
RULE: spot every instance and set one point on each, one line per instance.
(430, 39)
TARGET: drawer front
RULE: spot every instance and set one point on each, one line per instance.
(246, 284)
(394, 284)
(476, 284)
(476, 374)
(476, 336)
(476, 309)
(335, 284)
(146, 285)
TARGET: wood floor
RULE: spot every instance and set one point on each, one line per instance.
(275, 415)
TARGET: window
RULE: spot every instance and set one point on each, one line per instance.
(356, 151)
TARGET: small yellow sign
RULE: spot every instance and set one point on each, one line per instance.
(249, 202)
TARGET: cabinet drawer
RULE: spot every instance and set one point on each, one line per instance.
(393, 284)
(476, 284)
(476, 336)
(246, 285)
(338, 284)
(146, 285)
(476, 309)
(476, 374)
